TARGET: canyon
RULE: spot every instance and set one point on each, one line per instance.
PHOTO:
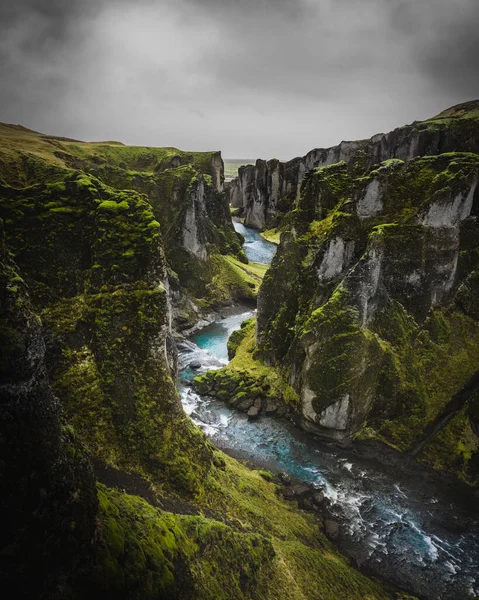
(122, 407)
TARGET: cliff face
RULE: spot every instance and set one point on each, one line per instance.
(93, 260)
(371, 299)
(48, 495)
(267, 190)
(183, 189)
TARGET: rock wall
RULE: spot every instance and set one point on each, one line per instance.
(93, 260)
(267, 190)
(184, 190)
(370, 303)
(47, 490)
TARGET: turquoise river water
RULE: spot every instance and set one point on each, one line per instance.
(412, 531)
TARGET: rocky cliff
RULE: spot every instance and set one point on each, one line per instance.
(89, 238)
(264, 192)
(48, 496)
(371, 299)
(183, 190)
(367, 323)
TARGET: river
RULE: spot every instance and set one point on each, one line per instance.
(412, 531)
(256, 248)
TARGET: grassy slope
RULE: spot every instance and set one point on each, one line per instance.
(251, 545)
(15, 140)
(272, 235)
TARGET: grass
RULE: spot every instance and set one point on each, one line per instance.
(252, 273)
(253, 545)
(272, 235)
(17, 143)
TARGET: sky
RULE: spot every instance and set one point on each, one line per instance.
(252, 78)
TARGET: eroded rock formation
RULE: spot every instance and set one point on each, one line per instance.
(268, 189)
(370, 299)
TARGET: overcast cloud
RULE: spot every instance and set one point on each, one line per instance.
(254, 78)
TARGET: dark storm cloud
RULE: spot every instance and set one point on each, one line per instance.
(445, 41)
(51, 16)
(253, 77)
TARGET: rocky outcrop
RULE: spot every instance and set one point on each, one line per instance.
(98, 277)
(369, 302)
(265, 191)
(184, 190)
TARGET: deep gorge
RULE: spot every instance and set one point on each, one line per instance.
(121, 267)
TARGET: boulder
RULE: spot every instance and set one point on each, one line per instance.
(288, 493)
(318, 498)
(223, 395)
(284, 478)
(297, 492)
(195, 364)
(245, 404)
(270, 407)
(301, 490)
(253, 413)
(258, 403)
(201, 386)
(331, 529)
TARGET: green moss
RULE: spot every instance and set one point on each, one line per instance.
(238, 336)
(272, 235)
(304, 564)
(246, 376)
(148, 553)
(299, 311)
(422, 369)
(111, 205)
(266, 475)
(137, 548)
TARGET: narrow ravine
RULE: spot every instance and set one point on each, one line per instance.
(403, 528)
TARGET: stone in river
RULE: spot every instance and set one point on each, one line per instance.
(271, 407)
(301, 490)
(253, 413)
(245, 405)
(194, 364)
(318, 498)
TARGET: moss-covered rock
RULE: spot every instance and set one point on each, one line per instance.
(246, 381)
(265, 193)
(47, 493)
(370, 292)
(98, 275)
(183, 190)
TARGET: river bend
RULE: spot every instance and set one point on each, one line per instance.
(409, 531)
